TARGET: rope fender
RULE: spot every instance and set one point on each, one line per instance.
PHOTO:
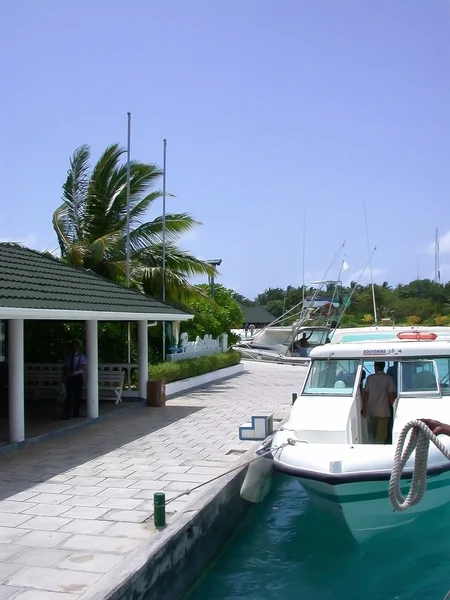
(419, 440)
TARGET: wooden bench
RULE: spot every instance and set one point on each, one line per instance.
(111, 381)
(50, 381)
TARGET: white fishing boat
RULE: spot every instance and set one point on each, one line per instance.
(282, 344)
(326, 445)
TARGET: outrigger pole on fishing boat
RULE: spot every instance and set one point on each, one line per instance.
(330, 311)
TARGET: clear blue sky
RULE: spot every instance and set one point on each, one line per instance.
(268, 107)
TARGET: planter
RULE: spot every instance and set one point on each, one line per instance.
(184, 385)
(156, 393)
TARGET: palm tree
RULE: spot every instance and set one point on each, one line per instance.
(90, 226)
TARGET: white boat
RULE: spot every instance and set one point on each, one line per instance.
(281, 344)
(325, 443)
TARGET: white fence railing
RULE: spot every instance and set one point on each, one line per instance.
(200, 347)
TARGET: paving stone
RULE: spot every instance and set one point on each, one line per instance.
(150, 484)
(91, 562)
(209, 471)
(7, 551)
(115, 493)
(121, 503)
(88, 527)
(23, 496)
(100, 543)
(42, 539)
(49, 499)
(126, 516)
(52, 488)
(179, 486)
(10, 534)
(8, 569)
(83, 512)
(42, 595)
(111, 482)
(130, 530)
(169, 469)
(78, 480)
(45, 523)
(47, 510)
(115, 474)
(53, 580)
(85, 490)
(90, 501)
(14, 506)
(13, 520)
(149, 494)
(40, 557)
(7, 591)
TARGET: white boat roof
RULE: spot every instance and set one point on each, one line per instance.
(383, 350)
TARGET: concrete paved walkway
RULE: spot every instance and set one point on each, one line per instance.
(73, 508)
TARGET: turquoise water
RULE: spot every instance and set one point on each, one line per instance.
(288, 550)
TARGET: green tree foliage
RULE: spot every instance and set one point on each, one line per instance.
(91, 226)
(213, 316)
(421, 301)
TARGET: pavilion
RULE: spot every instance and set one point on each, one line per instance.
(37, 286)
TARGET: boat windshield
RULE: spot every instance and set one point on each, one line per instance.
(333, 377)
(315, 337)
(419, 376)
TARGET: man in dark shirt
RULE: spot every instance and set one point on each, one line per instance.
(74, 367)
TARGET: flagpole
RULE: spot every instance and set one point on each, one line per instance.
(303, 258)
(164, 242)
(128, 239)
(370, 265)
(128, 197)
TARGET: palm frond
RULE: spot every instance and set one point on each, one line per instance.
(99, 247)
(149, 234)
(61, 225)
(75, 190)
(76, 254)
(178, 289)
(176, 260)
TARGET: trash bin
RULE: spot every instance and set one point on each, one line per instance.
(156, 393)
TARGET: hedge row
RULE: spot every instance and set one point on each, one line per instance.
(192, 367)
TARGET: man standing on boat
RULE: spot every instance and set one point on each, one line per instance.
(378, 397)
(304, 344)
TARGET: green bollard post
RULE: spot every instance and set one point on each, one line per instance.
(294, 397)
(159, 506)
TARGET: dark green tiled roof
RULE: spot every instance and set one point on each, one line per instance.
(256, 314)
(29, 279)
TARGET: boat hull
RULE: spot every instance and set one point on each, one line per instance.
(249, 353)
(365, 505)
(353, 482)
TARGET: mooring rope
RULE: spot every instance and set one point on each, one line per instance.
(290, 442)
(419, 440)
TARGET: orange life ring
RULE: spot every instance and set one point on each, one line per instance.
(328, 310)
(416, 335)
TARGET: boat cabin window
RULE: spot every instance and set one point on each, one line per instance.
(318, 336)
(331, 377)
(419, 376)
(391, 368)
(443, 365)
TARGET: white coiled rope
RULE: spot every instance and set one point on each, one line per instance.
(419, 440)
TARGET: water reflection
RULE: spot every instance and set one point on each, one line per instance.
(288, 549)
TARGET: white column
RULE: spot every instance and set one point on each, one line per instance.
(92, 369)
(16, 378)
(143, 358)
